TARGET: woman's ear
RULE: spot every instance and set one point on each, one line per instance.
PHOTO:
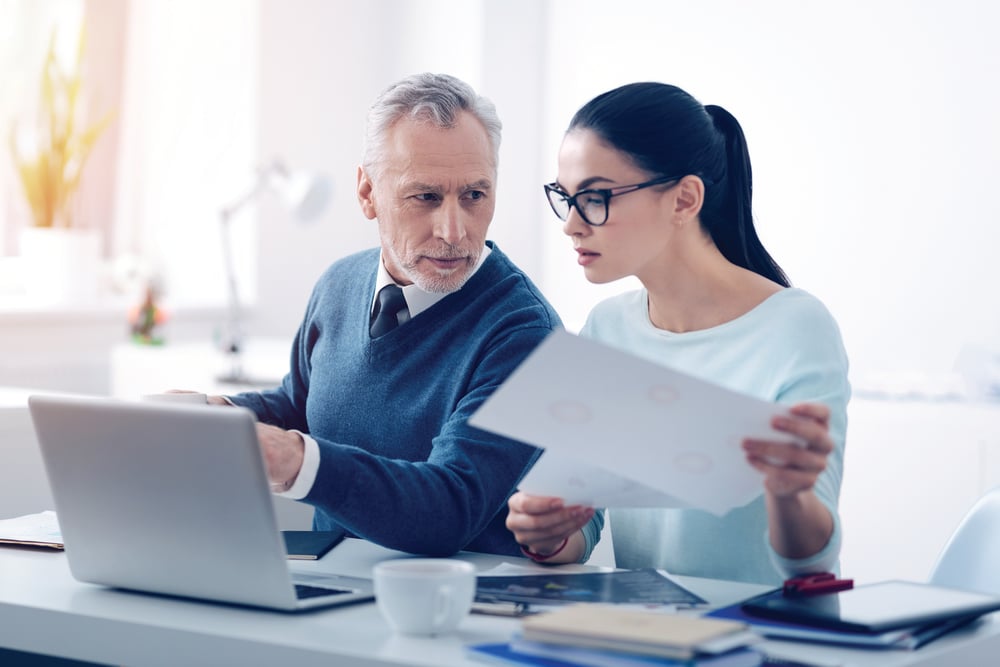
(366, 194)
(688, 198)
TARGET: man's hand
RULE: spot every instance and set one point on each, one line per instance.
(283, 452)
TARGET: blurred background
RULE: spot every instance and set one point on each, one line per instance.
(872, 127)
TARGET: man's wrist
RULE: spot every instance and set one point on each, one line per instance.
(302, 481)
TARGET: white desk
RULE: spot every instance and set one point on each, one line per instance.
(145, 369)
(44, 610)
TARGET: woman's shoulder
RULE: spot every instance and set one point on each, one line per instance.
(797, 306)
(794, 316)
(618, 309)
(620, 303)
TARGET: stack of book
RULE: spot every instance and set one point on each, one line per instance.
(600, 635)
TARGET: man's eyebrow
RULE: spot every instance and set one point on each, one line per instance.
(417, 186)
(483, 184)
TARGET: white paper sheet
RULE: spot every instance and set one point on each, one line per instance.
(41, 528)
(620, 431)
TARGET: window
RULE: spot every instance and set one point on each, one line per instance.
(180, 79)
(25, 30)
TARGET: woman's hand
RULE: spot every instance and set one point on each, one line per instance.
(791, 469)
(542, 525)
(799, 524)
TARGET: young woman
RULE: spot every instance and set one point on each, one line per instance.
(652, 184)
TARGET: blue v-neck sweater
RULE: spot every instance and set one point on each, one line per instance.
(399, 464)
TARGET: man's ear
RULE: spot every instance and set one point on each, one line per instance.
(689, 198)
(366, 194)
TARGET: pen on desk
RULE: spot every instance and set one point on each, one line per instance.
(770, 660)
(500, 608)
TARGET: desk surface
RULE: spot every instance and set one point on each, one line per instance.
(43, 609)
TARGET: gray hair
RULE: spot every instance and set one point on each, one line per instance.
(436, 98)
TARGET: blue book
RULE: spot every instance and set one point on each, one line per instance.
(520, 652)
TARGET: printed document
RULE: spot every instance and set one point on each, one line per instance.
(620, 431)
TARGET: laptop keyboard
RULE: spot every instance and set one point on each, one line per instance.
(304, 592)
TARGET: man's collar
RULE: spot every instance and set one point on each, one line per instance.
(417, 300)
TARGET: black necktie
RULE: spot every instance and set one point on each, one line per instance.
(390, 310)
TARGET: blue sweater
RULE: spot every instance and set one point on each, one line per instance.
(399, 464)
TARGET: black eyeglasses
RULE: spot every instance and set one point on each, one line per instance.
(592, 205)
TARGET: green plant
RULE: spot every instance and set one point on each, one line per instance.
(50, 169)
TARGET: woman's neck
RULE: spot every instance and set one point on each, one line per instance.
(702, 289)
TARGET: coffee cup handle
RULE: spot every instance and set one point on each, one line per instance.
(442, 606)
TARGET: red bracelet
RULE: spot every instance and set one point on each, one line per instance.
(537, 557)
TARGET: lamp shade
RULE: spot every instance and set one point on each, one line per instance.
(306, 194)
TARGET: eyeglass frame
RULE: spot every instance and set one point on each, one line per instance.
(606, 194)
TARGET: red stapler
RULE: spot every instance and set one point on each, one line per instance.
(815, 584)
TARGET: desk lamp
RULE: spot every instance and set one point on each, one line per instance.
(305, 194)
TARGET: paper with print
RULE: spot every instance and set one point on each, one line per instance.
(620, 431)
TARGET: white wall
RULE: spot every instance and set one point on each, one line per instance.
(322, 65)
(872, 129)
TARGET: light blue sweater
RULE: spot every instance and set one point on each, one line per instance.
(788, 349)
(399, 464)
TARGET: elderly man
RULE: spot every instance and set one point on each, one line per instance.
(401, 344)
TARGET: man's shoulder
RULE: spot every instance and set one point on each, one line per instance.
(356, 264)
(508, 288)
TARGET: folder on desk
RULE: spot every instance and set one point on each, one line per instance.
(878, 607)
(907, 637)
(310, 544)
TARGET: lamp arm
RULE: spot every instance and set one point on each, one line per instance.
(234, 334)
(233, 341)
(251, 194)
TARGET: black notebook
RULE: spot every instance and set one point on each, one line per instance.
(309, 544)
(880, 607)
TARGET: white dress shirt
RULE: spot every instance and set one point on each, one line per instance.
(417, 301)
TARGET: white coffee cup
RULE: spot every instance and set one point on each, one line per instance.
(424, 596)
(177, 397)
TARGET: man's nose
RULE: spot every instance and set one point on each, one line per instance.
(449, 225)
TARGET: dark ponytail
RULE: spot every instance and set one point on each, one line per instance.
(666, 132)
(731, 221)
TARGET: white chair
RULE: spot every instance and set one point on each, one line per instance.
(971, 558)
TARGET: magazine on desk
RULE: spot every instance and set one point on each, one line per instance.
(647, 587)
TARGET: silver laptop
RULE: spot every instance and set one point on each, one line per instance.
(173, 499)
